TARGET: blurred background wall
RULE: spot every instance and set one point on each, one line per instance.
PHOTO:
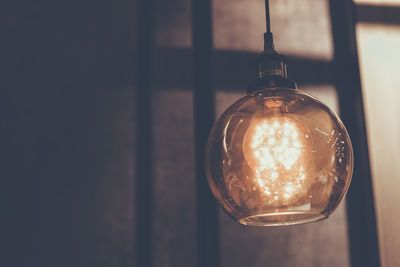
(69, 124)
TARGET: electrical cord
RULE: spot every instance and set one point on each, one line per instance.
(268, 38)
(268, 22)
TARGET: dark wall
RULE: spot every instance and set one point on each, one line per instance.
(67, 127)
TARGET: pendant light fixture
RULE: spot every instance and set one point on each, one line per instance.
(278, 156)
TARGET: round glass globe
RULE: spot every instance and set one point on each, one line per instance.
(279, 156)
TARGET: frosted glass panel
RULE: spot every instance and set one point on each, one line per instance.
(379, 64)
(300, 29)
(173, 25)
(174, 189)
(379, 2)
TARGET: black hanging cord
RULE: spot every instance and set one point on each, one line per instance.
(268, 22)
(268, 38)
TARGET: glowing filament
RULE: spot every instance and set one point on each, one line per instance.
(276, 150)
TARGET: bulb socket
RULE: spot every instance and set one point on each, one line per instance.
(271, 64)
(271, 68)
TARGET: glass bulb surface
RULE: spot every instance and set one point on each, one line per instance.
(279, 156)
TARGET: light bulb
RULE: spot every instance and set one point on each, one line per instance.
(278, 150)
(277, 157)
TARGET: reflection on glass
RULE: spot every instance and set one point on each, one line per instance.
(279, 156)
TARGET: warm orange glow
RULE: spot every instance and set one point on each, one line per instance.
(278, 156)
(277, 151)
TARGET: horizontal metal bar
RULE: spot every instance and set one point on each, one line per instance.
(378, 14)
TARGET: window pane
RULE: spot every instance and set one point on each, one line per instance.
(379, 63)
(299, 29)
(379, 2)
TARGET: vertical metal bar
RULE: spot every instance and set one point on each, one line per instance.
(204, 112)
(144, 176)
(360, 203)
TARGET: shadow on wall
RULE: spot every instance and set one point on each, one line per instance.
(67, 123)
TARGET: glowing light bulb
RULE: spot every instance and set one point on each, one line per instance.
(278, 151)
(279, 156)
